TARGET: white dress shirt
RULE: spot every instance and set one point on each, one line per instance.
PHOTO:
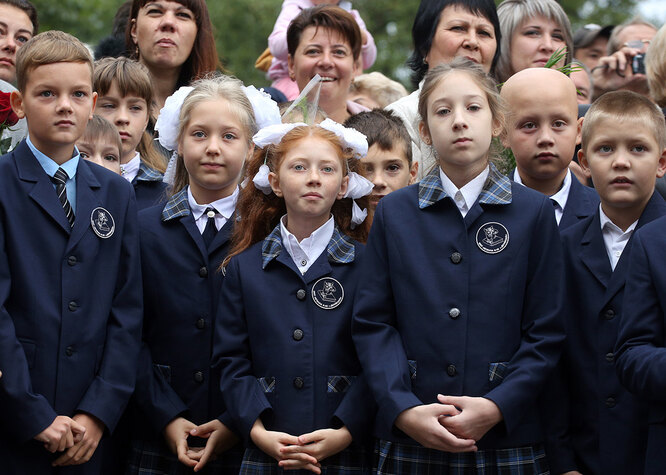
(614, 238)
(559, 199)
(225, 208)
(130, 169)
(464, 197)
(307, 251)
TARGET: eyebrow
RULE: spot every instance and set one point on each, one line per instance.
(20, 30)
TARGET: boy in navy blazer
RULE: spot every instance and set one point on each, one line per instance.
(599, 427)
(542, 132)
(70, 284)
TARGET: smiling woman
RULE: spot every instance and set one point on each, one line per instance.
(327, 41)
(174, 40)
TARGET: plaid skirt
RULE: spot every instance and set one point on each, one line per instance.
(351, 461)
(152, 457)
(394, 458)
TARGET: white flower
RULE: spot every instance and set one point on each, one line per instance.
(168, 121)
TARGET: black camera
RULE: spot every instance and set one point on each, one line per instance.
(638, 64)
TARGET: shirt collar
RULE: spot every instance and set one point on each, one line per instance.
(496, 189)
(177, 206)
(470, 191)
(50, 166)
(313, 245)
(131, 168)
(224, 206)
(610, 226)
(562, 194)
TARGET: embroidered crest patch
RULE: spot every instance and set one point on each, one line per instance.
(102, 223)
(492, 238)
(327, 293)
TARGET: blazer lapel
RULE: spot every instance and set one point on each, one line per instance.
(42, 190)
(593, 252)
(86, 201)
(223, 235)
(193, 231)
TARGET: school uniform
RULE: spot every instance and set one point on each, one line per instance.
(71, 310)
(461, 306)
(599, 426)
(181, 288)
(283, 343)
(572, 203)
(640, 344)
(148, 186)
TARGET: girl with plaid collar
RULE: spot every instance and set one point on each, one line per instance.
(290, 376)
(179, 421)
(457, 324)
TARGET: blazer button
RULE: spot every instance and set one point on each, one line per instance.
(201, 324)
(299, 383)
(298, 334)
(203, 272)
(300, 295)
(69, 351)
(609, 314)
(456, 257)
(610, 357)
(454, 313)
(610, 402)
(199, 377)
(73, 306)
(71, 260)
(451, 370)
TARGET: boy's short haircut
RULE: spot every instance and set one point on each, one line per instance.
(383, 128)
(625, 106)
(383, 90)
(131, 77)
(48, 48)
(98, 127)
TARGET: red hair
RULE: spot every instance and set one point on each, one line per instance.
(260, 213)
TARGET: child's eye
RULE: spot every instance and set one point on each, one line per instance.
(327, 169)
(299, 167)
(605, 149)
(639, 148)
(83, 154)
(80, 94)
(46, 94)
(229, 136)
(474, 107)
(198, 134)
(559, 123)
(111, 158)
(442, 111)
(136, 108)
(107, 105)
(393, 167)
(528, 126)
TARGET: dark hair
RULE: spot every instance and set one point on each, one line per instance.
(203, 58)
(29, 10)
(383, 128)
(425, 27)
(325, 16)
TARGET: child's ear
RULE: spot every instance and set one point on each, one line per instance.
(579, 134)
(274, 181)
(425, 133)
(413, 172)
(582, 161)
(343, 187)
(16, 101)
(661, 168)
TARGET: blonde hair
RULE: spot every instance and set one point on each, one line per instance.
(628, 107)
(208, 89)
(513, 13)
(655, 67)
(98, 127)
(132, 78)
(48, 48)
(382, 90)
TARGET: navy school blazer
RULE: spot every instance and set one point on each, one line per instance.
(283, 340)
(582, 202)
(461, 306)
(181, 284)
(641, 352)
(149, 188)
(70, 314)
(596, 426)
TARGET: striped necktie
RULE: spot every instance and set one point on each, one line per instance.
(60, 180)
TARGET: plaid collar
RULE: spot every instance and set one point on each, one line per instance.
(146, 173)
(177, 206)
(340, 248)
(496, 190)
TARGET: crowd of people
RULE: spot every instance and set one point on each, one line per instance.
(329, 274)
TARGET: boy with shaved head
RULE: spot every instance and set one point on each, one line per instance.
(542, 131)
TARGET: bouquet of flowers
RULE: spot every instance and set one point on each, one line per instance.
(8, 118)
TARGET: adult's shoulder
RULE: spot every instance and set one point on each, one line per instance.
(406, 107)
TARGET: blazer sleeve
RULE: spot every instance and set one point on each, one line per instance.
(641, 356)
(109, 392)
(244, 399)
(356, 410)
(542, 323)
(22, 411)
(378, 343)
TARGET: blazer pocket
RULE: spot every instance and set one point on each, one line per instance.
(496, 372)
(164, 371)
(30, 350)
(340, 384)
(267, 384)
(412, 369)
